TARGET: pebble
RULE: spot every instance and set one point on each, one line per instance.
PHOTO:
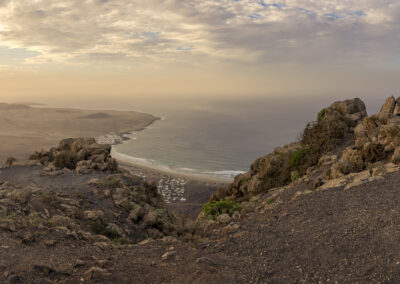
(168, 255)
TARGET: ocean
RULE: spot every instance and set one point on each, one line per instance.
(215, 138)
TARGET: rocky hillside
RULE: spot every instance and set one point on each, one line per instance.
(343, 144)
(77, 190)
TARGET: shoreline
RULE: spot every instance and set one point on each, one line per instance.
(153, 172)
(120, 138)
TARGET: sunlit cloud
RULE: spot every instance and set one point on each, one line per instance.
(186, 32)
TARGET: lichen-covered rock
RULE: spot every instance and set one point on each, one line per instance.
(81, 154)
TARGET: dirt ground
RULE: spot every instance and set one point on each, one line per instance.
(329, 236)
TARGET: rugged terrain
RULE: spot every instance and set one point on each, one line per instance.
(321, 210)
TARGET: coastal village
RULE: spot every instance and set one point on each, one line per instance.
(171, 188)
(111, 138)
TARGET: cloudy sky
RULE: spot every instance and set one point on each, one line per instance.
(199, 47)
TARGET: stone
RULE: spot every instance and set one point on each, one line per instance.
(351, 161)
(136, 213)
(396, 156)
(81, 155)
(150, 219)
(65, 144)
(96, 273)
(333, 183)
(236, 215)
(388, 106)
(81, 143)
(169, 255)
(94, 215)
(60, 221)
(169, 240)
(349, 106)
(21, 195)
(49, 243)
(223, 218)
(206, 261)
(318, 182)
(117, 229)
(98, 158)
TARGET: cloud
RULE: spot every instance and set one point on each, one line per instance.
(253, 32)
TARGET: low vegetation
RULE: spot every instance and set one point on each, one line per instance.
(321, 114)
(295, 176)
(65, 159)
(215, 208)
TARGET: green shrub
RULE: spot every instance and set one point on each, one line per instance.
(215, 208)
(114, 183)
(270, 201)
(321, 114)
(128, 206)
(51, 198)
(243, 181)
(321, 137)
(295, 175)
(111, 233)
(65, 159)
(120, 241)
(98, 226)
(299, 157)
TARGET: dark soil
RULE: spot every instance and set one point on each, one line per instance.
(330, 236)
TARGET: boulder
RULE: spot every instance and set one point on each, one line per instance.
(81, 143)
(354, 110)
(396, 156)
(61, 221)
(151, 218)
(224, 218)
(94, 215)
(21, 195)
(388, 106)
(351, 161)
(65, 144)
(96, 274)
(136, 213)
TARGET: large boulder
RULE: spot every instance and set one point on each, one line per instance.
(353, 110)
(81, 154)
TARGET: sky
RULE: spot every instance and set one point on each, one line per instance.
(198, 48)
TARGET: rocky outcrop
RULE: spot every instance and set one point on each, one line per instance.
(341, 142)
(334, 127)
(113, 205)
(82, 155)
